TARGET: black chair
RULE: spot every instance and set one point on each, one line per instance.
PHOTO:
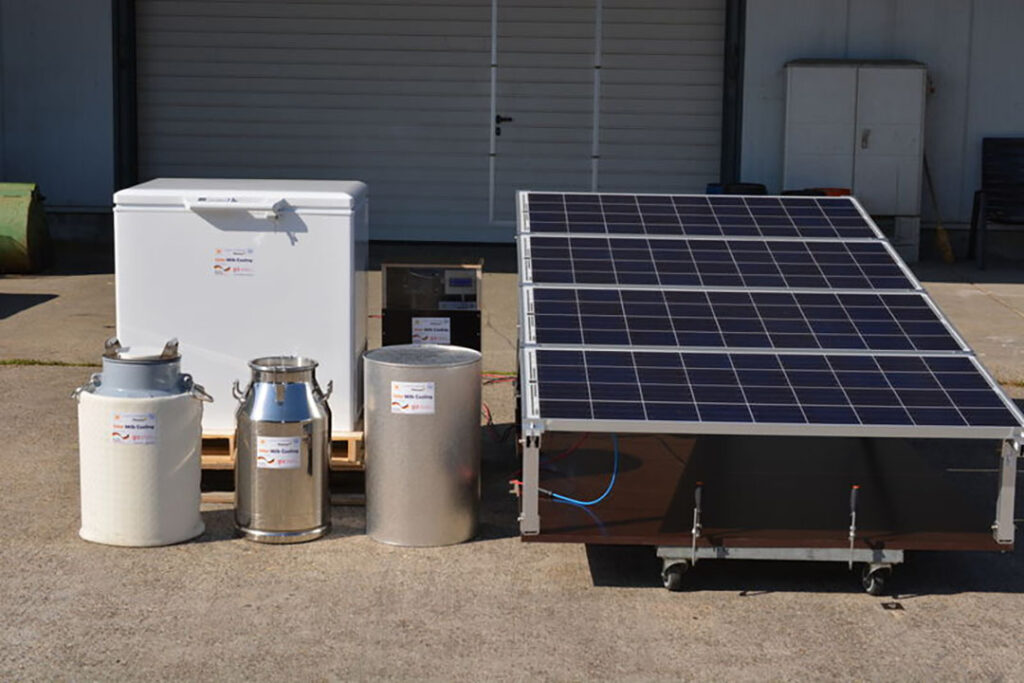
(1001, 197)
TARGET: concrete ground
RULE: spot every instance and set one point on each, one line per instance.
(346, 607)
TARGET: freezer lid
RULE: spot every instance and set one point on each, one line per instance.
(243, 194)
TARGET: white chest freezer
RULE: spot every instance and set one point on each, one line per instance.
(237, 269)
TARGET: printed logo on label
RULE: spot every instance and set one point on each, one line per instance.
(412, 398)
(431, 330)
(234, 262)
(278, 452)
(134, 429)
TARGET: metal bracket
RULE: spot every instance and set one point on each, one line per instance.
(697, 527)
(1002, 528)
(529, 516)
(853, 520)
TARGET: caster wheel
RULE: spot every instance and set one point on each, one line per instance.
(875, 579)
(672, 576)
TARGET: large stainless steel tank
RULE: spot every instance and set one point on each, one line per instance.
(283, 448)
(139, 443)
(422, 444)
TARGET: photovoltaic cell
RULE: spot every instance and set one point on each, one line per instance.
(767, 388)
(737, 320)
(697, 215)
(788, 264)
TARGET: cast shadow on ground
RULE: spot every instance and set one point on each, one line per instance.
(922, 573)
(10, 304)
(999, 271)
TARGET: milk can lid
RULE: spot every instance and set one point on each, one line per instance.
(113, 350)
(423, 355)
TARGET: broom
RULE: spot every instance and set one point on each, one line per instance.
(941, 236)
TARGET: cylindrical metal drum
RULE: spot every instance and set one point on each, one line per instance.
(422, 444)
(283, 450)
(139, 443)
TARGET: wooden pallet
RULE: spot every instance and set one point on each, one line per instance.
(337, 499)
(346, 451)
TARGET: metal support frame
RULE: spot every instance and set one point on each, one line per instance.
(697, 528)
(529, 515)
(1002, 528)
(876, 556)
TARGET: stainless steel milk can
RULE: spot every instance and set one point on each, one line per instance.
(283, 447)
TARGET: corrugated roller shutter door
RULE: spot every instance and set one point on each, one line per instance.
(398, 94)
(394, 94)
(661, 95)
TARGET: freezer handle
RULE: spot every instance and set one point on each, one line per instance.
(260, 208)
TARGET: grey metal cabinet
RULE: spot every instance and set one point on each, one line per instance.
(859, 125)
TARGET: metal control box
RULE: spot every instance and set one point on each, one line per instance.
(431, 304)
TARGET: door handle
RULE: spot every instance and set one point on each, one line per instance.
(864, 136)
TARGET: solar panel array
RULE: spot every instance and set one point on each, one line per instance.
(697, 313)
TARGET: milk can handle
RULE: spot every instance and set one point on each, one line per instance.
(330, 390)
(237, 392)
(93, 382)
(196, 390)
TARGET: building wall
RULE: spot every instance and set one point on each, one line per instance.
(56, 99)
(972, 49)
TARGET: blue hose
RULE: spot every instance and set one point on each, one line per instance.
(611, 484)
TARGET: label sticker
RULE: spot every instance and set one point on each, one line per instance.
(431, 330)
(412, 398)
(234, 262)
(135, 429)
(278, 452)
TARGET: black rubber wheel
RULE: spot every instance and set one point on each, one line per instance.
(672, 576)
(875, 580)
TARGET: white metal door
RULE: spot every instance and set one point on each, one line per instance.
(605, 95)
(544, 97)
(821, 110)
(889, 139)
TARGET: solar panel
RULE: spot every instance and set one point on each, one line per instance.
(697, 391)
(722, 314)
(693, 215)
(690, 262)
(737, 320)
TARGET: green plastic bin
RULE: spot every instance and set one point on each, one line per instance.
(24, 239)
